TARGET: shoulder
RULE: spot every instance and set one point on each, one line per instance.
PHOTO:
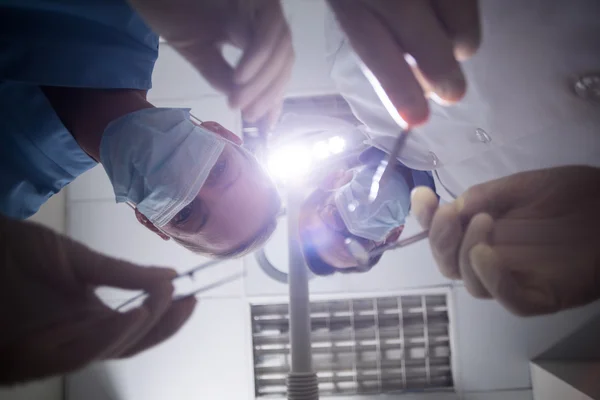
(69, 43)
(38, 156)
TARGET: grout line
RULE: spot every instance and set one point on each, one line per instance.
(517, 389)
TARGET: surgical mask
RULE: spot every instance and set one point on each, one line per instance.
(373, 221)
(158, 159)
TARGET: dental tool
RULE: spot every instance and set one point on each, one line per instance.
(190, 274)
(362, 255)
(384, 167)
(388, 162)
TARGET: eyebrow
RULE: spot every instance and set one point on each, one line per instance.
(234, 180)
(204, 220)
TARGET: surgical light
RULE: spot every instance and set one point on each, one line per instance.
(321, 150)
(336, 144)
(290, 162)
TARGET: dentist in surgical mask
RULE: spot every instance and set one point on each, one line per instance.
(375, 220)
(189, 182)
(336, 210)
(74, 77)
(73, 83)
(193, 183)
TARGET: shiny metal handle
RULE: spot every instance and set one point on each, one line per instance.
(362, 255)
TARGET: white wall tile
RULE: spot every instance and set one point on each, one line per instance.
(311, 72)
(52, 213)
(112, 229)
(209, 358)
(175, 79)
(500, 395)
(91, 185)
(257, 283)
(408, 268)
(494, 347)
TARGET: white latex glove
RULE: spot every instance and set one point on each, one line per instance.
(52, 321)
(436, 33)
(530, 240)
(198, 29)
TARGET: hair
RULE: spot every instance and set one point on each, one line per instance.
(254, 243)
(314, 262)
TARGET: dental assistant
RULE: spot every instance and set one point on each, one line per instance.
(73, 83)
(526, 133)
(336, 210)
(73, 91)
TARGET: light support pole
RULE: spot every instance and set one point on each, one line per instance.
(302, 381)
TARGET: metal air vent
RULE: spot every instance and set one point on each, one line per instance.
(360, 346)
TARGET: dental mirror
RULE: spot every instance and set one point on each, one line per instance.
(362, 255)
(384, 167)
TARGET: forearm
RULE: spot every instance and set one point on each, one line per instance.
(86, 112)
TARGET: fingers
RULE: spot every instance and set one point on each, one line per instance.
(501, 195)
(445, 237)
(273, 115)
(177, 315)
(424, 203)
(157, 304)
(461, 21)
(211, 64)
(76, 343)
(71, 345)
(502, 285)
(478, 231)
(271, 33)
(270, 98)
(248, 93)
(265, 67)
(419, 32)
(96, 269)
(380, 52)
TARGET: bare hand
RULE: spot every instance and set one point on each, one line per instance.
(198, 29)
(52, 321)
(530, 240)
(437, 34)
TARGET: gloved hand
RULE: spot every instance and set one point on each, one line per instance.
(530, 240)
(52, 321)
(435, 33)
(199, 28)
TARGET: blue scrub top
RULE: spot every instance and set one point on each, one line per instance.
(71, 43)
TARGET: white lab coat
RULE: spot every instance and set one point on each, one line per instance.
(521, 111)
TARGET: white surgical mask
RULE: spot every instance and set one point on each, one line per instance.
(376, 220)
(158, 159)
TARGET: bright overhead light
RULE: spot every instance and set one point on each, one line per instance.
(336, 144)
(290, 162)
(321, 150)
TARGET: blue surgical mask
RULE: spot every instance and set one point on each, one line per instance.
(158, 159)
(376, 220)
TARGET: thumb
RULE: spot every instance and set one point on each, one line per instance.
(502, 285)
(424, 204)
